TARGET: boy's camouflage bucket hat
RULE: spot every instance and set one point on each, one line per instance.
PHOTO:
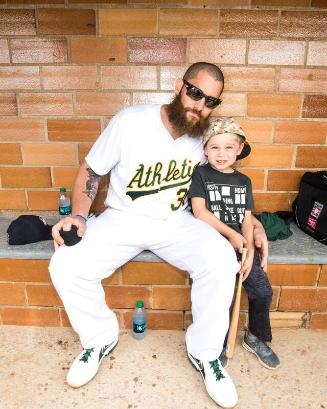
(227, 125)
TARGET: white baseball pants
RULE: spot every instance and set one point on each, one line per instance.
(115, 237)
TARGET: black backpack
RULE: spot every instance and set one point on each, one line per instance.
(310, 206)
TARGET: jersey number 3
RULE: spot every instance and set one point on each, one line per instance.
(181, 194)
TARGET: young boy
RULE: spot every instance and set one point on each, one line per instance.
(222, 197)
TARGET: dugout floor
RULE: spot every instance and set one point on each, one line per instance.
(155, 373)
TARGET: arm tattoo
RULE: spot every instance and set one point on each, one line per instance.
(92, 184)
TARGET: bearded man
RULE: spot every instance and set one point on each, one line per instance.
(151, 152)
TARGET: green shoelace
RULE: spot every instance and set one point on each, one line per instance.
(87, 355)
(215, 366)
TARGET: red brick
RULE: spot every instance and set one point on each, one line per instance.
(300, 80)
(171, 298)
(157, 50)
(323, 276)
(126, 297)
(12, 200)
(270, 155)
(257, 131)
(274, 105)
(100, 103)
(78, 130)
(151, 98)
(302, 24)
(65, 21)
(293, 274)
(129, 77)
(35, 1)
(8, 103)
(221, 51)
(39, 317)
(17, 22)
(64, 177)
(257, 177)
(272, 52)
(42, 200)
(45, 104)
(282, 3)
(311, 157)
(169, 75)
(12, 293)
(42, 295)
(25, 177)
(303, 299)
(249, 79)
(159, 320)
(83, 150)
(315, 106)
(317, 53)
(17, 129)
(64, 318)
(152, 273)
(38, 51)
(234, 104)
(248, 23)
(271, 202)
(128, 21)
(49, 154)
(188, 22)
(10, 154)
(4, 52)
(19, 78)
(69, 77)
(318, 3)
(114, 279)
(302, 132)
(24, 270)
(318, 321)
(98, 50)
(284, 179)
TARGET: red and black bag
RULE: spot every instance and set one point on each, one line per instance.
(310, 206)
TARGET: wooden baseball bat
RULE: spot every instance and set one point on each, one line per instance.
(235, 313)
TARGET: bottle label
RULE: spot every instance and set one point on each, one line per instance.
(139, 328)
(65, 210)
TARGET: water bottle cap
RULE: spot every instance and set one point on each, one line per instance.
(139, 304)
(62, 189)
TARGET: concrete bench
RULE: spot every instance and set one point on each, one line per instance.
(297, 270)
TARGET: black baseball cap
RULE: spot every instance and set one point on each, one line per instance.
(28, 229)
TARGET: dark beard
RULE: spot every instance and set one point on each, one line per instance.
(181, 124)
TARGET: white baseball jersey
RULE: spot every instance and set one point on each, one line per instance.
(150, 171)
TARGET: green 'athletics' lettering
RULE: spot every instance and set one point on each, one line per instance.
(152, 177)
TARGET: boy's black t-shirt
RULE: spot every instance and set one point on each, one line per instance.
(227, 195)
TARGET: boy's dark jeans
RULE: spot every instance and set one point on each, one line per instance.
(259, 291)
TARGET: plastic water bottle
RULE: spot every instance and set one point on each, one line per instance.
(65, 208)
(139, 320)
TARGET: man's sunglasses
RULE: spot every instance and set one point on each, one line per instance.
(196, 94)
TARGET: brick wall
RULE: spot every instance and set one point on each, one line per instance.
(28, 297)
(67, 66)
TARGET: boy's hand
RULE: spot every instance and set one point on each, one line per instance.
(237, 241)
(247, 266)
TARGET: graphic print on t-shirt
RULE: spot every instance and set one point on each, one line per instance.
(227, 202)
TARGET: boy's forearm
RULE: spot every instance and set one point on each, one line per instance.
(206, 216)
(85, 189)
(247, 232)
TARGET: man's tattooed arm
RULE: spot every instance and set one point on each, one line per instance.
(92, 184)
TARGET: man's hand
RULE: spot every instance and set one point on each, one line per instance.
(246, 267)
(261, 243)
(66, 225)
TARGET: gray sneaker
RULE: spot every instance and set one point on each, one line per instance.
(223, 358)
(264, 353)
